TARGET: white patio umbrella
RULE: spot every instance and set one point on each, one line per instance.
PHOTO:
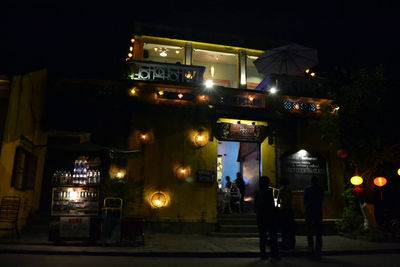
(292, 59)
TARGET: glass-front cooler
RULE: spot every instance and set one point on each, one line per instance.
(75, 201)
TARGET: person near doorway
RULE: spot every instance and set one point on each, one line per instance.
(242, 187)
(235, 197)
(286, 218)
(228, 184)
(266, 218)
(313, 196)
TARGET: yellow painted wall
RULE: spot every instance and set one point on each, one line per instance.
(24, 115)
(172, 146)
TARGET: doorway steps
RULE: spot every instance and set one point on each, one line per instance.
(245, 225)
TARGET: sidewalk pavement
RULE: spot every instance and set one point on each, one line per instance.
(183, 245)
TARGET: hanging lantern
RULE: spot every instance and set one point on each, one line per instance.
(398, 171)
(182, 172)
(342, 153)
(356, 180)
(357, 192)
(158, 200)
(380, 181)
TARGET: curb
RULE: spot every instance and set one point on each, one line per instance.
(194, 254)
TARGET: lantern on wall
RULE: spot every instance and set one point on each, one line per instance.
(144, 137)
(182, 172)
(158, 200)
(356, 180)
(342, 153)
(380, 181)
(201, 139)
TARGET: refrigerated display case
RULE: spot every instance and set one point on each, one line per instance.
(75, 203)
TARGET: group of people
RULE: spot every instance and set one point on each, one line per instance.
(269, 216)
(237, 190)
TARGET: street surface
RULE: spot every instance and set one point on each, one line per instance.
(14, 260)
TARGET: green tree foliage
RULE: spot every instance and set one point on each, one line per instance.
(364, 121)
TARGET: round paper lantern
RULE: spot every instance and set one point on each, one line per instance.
(342, 153)
(158, 200)
(380, 181)
(398, 171)
(182, 172)
(356, 180)
(201, 139)
(357, 192)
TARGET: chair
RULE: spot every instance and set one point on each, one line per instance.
(236, 199)
(226, 202)
(9, 211)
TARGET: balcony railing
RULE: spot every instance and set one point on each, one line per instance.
(174, 73)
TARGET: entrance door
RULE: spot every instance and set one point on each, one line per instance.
(243, 157)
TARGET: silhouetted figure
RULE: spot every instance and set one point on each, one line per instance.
(286, 219)
(240, 184)
(313, 196)
(235, 197)
(266, 218)
(228, 184)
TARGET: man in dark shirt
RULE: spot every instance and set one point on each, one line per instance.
(266, 218)
(313, 196)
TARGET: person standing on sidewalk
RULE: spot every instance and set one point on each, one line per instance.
(266, 218)
(286, 219)
(313, 196)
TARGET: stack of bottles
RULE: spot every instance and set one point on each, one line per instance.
(81, 175)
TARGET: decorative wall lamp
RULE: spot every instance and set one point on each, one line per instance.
(356, 180)
(145, 137)
(201, 139)
(182, 172)
(158, 200)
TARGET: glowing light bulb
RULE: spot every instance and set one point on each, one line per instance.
(209, 83)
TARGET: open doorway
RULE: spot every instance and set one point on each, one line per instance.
(243, 157)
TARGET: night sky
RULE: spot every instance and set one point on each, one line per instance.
(91, 41)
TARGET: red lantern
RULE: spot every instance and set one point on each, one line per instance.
(357, 192)
(342, 153)
(380, 181)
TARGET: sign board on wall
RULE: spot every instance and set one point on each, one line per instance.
(299, 167)
(204, 176)
(240, 132)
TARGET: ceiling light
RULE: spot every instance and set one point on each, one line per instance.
(163, 53)
(273, 90)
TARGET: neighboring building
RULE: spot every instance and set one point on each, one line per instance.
(199, 112)
(23, 143)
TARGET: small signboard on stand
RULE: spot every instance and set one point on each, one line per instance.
(75, 227)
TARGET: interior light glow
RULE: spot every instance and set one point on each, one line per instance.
(161, 92)
(131, 48)
(130, 55)
(180, 95)
(251, 98)
(273, 90)
(132, 40)
(209, 83)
